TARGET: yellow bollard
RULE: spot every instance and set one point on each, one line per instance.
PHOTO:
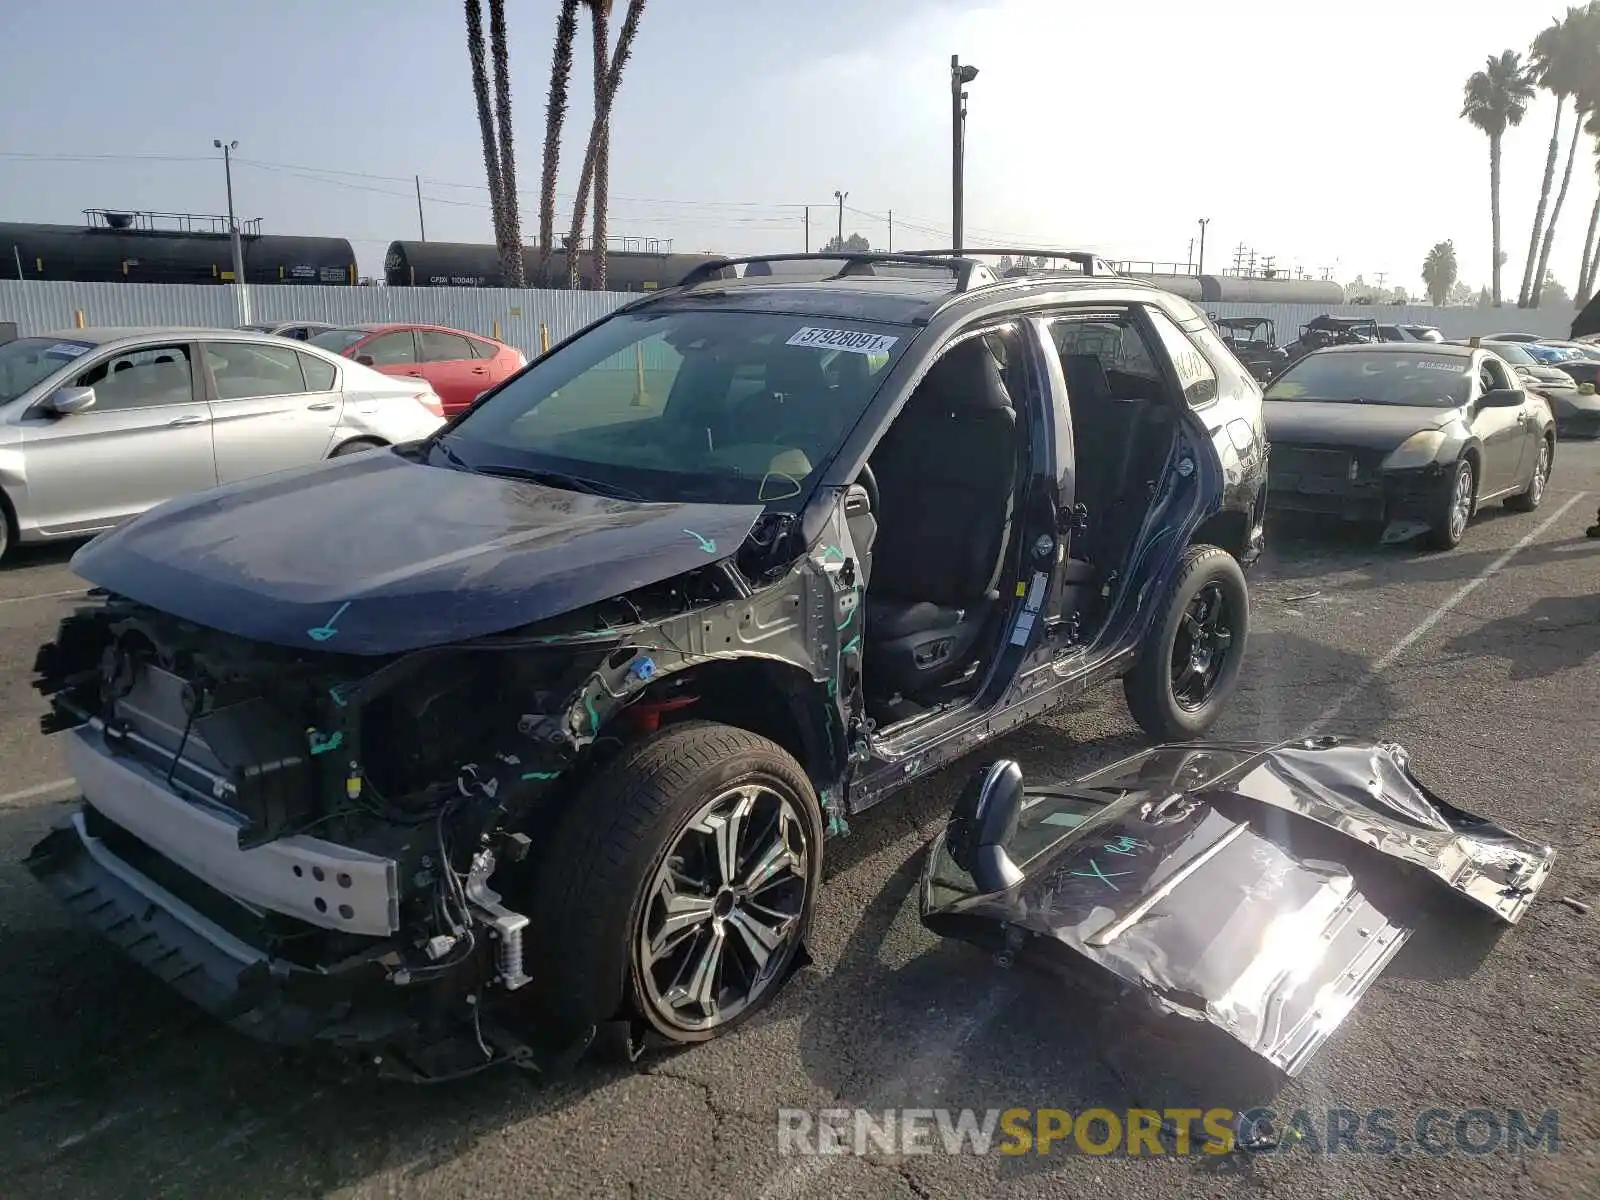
(77, 318)
(640, 396)
(496, 334)
(544, 338)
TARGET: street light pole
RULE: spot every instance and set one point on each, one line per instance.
(233, 227)
(1200, 268)
(841, 197)
(959, 76)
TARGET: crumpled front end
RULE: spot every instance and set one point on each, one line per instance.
(1259, 888)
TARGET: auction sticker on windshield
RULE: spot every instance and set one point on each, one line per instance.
(849, 340)
(67, 350)
(1425, 365)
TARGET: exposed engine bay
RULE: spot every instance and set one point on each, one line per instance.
(367, 819)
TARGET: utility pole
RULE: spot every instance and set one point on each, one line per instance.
(808, 229)
(422, 227)
(841, 197)
(1188, 263)
(959, 76)
(233, 229)
(1200, 268)
(891, 231)
(1380, 276)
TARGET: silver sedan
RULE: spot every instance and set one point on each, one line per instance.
(98, 425)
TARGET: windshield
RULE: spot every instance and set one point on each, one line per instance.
(1547, 354)
(338, 340)
(725, 407)
(28, 361)
(1515, 355)
(1437, 381)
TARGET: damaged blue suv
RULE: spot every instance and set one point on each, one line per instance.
(475, 749)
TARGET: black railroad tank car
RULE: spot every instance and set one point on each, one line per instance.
(103, 255)
(466, 264)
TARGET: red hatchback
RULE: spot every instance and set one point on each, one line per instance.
(458, 365)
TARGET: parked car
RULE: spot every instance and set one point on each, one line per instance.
(1409, 333)
(1254, 342)
(1328, 330)
(1575, 405)
(1576, 414)
(459, 366)
(300, 331)
(97, 425)
(538, 726)
(1418, 437)
(1580, 360)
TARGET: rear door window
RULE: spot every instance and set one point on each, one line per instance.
(319, 375)
(434, 346)
(242, 370)
(1195, 374)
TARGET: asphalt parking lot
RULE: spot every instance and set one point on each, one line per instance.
(1484, 662)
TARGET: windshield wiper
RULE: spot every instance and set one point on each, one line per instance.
(560, 479)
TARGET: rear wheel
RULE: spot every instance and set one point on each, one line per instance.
(679, 888)
(1191, 657)
(8, 525)
(1453, 507)
(1530, 499)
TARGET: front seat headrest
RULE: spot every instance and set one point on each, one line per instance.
(968, 379)
(1086, 376)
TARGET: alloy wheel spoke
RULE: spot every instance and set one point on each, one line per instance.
(702, 986)
(776, 861)
(759, 939)
(727, 830)
(683, 914)
(1187, 676)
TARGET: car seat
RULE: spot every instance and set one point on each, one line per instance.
(946, 473)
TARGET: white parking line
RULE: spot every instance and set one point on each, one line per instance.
(41, 596)
(1392, 655)
(34, 793)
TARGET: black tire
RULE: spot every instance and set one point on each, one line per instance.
(1445, 531)
(1151, 689)
(1533, 496)
(8, 526)
(355, 446)
(593, 893)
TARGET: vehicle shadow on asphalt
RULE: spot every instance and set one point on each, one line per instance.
(1305, 551)
(1553, 634)
(48, 554)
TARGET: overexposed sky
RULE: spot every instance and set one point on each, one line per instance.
(1323, 134)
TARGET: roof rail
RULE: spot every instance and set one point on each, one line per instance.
(966, 273)
(1092, 264)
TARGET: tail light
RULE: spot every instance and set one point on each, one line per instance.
(431, 402)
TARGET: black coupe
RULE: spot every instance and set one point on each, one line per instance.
(1416, 436)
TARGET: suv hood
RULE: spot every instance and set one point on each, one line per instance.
(1358, 426)
(1258, 888)
(376, 554)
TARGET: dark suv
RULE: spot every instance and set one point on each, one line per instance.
(466, 750)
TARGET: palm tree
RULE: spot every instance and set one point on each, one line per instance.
(1586, 268)
(511, 265)
(555, 115)
(1439, 272)
(1497, 98)
(600, 19)
(480, 92)
(599, 133)
(1559, 58)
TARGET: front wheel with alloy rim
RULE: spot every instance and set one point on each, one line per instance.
(1533, 496)
(1191, 656)
(1453, 507)
(678, 890)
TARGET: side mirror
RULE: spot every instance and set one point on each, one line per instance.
(70, 400)
(366, 360)
(983, 821)
(1502, 398)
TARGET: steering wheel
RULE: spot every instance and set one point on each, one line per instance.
(869, 483)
